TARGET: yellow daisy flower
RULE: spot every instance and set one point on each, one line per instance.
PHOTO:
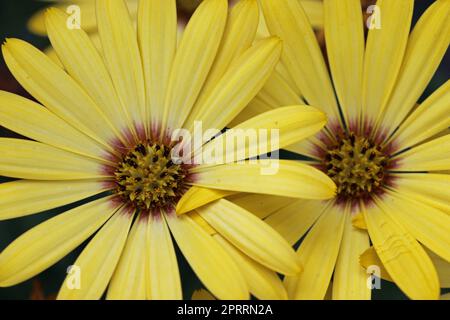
(388, 156)
(105, 130)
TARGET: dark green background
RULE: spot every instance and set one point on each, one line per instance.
(13, 19)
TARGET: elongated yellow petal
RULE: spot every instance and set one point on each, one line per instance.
(294, 220)
(196, 197)
(193, 60)
(430, 118)
(263, 283)
(259, 204)
(285, 178)
(42, 246)
(157, 34)
(254, 108)
(55, 89)
(402, 256)
(428, 225)
(301, 55)
(350, 278)
(122, 56)
(430, 156)
(370, 258)
(384, 55)
(27, 118)
(37, 161)
(238, 36)
(83, 62)
(88, 20)
(24, 197)
(318, 253)
(314, 11)
(256, 135)
(278, 92)
(162, 267)
(99, 259)
(251, 235)
(426, 47)
(129, 279)
(310, 147)
(239, 85)
(432, 189)
(344, 34)
(275, 93)
(214, 267)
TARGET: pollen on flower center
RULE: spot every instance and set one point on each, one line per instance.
(147, 178)
(357, 166)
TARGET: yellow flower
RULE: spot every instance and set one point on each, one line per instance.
(105, 131)
(389, 158)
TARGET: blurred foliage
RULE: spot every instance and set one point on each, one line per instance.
(13, 20)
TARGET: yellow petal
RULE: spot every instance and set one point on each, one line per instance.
(254, 108)
(36, 24)
(99, 259)
(259, 204)
(251, 235)
(238, 36)
(33, 121)
(42, 246)
(301, 55)
(37, 161)
(55, 89)
(239, 85)
(430, 118)
(430, 156)
(263, 283)
(358, 221)
(193, 60)
(291, 179)
(318, 253)
(23, 197)
(370, 258)
(214, 267)
(402, 256)
(384, 55)
(122, 57)
(278, 92)
(314, 11)
(428, 225)
(432, 189)
(344, 35)
(83, 62)
(196, 197)
(294, 220)
(162, 267)
(129, 279)
(350, 278)
(426, 47)
(292, 124)
(157, 34)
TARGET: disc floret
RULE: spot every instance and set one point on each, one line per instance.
(147, 178)
(357, 165)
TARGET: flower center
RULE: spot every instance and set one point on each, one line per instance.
(147, 178)
(357, 166)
